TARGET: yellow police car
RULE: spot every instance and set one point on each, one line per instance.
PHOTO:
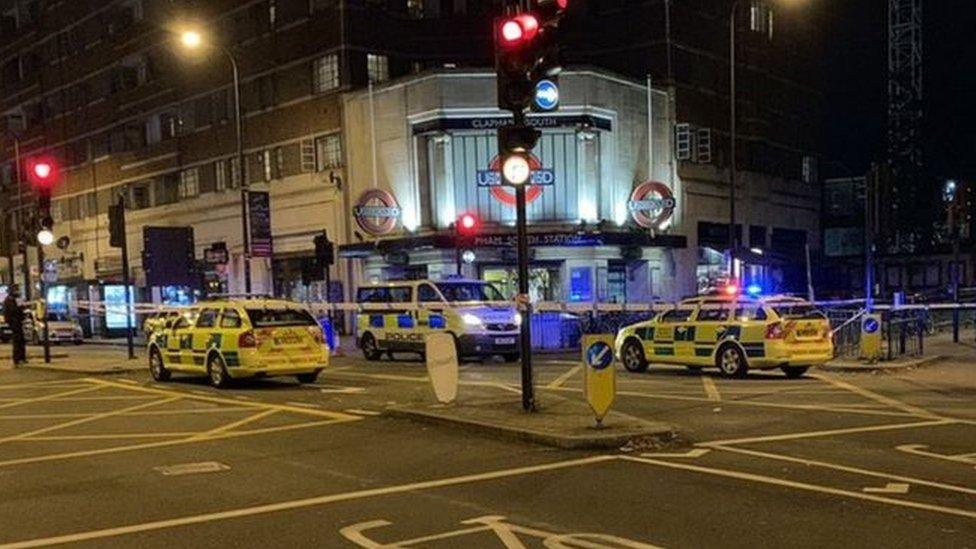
(732, 332)
(398, 316)
(239, 338)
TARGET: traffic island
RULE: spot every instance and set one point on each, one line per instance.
(559, 422)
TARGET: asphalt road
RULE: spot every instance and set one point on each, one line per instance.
(824, 461)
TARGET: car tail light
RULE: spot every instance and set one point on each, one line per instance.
(247, 340)
(775, 331)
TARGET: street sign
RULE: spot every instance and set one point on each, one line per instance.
(601, 376)
(546, 95)
(870, 337)
(442, 366)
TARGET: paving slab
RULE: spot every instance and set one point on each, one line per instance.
(559, 422)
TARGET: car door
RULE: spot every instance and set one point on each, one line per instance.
(662, 347)
(202, 336)
(179, 338)
(711, 326)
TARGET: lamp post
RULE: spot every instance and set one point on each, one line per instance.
(193, 40)
(733, 244)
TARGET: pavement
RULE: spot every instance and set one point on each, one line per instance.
(831, 459)
(938, 348)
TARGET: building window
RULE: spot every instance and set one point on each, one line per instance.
(225, 173)
(325, 75)
(415, 8)
(377, 67)
(189, 183)
(328, 152)
(271, 161)
(140, 196)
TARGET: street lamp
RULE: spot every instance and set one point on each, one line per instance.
(192, 40)
(761, 21)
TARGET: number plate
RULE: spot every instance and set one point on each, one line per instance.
(504, 341)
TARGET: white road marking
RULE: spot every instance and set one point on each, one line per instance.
(890, 488)
(846, 469)
(301, 503)
(191, 468)
(919, 450)
(710, 389)
(804, 486)
(360, 412)
(832, 432)
(695, 453)
(339, 390)
(558, 382)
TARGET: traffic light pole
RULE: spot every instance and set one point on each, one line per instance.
(126, 282)
(46, 334)
(522, 249)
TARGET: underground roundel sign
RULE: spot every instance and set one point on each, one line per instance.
(492, 178)
(376, 212)
(651, 204)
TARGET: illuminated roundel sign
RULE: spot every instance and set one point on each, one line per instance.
(539, 179)
(377, 212)
(651, 204)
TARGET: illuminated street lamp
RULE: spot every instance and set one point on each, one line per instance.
(192, 40)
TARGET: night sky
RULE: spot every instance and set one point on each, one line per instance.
(857, 66)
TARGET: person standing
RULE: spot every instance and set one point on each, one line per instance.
(15, 319)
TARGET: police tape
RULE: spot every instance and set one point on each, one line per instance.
(323, 308)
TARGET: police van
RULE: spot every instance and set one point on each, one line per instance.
(397, 316)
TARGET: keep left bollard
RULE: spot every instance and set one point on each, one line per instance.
(601, 376)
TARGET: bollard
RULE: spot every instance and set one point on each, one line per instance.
(955, 325)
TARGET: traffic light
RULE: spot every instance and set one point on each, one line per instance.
(527, 57)
(468, 224)
(324, 249)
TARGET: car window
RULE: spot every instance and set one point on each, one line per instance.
(677, 315)
(745, 313)
(268, 318)
(207, 318)
(797, 310)
(230, 319)
(186, 319)
(427, 294)
(713, 313)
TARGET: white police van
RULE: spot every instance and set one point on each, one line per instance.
(397, 316)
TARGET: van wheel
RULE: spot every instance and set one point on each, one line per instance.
(512, 357)
(795, 372)
(217, 372)
(370, 350)
(633, 357)
(731, 361)
(156, 367)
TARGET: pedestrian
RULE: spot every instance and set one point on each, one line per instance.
(15, 319)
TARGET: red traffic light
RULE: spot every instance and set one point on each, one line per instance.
(42, 172)
(518, 30)
(467, 223)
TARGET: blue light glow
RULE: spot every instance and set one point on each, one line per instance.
(754, 289)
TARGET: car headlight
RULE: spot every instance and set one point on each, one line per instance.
(471, 320)
(517, 319)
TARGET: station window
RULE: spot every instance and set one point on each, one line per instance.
(189, 183)
(328, 152)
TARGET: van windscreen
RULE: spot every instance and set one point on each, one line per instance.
(383, 294)
(469, 291)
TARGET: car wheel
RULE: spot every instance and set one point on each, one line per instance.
(370, 349)
(217, 372)
(795, 372)
(308, 377)
(512, 357)
(156, 367)
(731, 361)
(633, 357)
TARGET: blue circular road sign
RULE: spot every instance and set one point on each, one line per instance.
(546, 95)
(599, 356)
(871, 325)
